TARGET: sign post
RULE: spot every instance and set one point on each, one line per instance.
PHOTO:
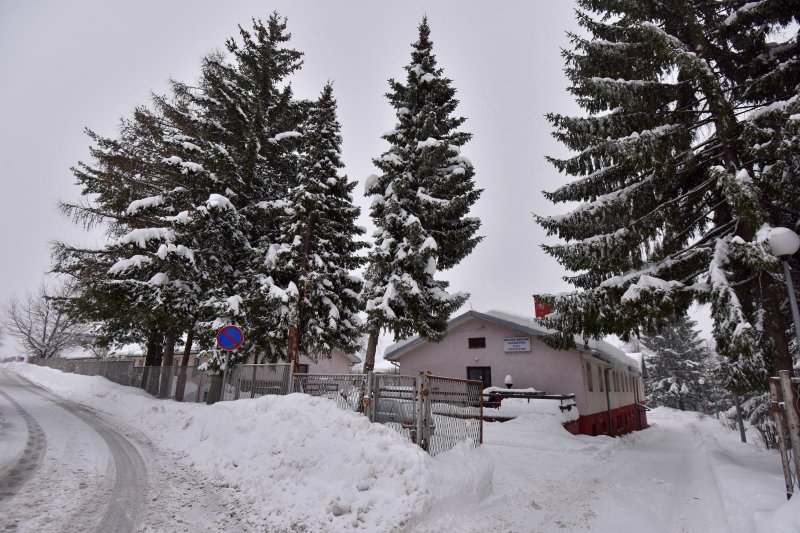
(229, 338)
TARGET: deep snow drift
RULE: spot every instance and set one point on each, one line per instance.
(302, 464)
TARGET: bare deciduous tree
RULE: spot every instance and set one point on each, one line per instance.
(40, 323)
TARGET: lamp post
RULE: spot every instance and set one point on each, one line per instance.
(784, 243)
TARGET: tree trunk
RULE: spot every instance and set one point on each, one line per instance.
(180, 386)
(775, 327)
(293, 349)
(372, 347)
(152, 358)
(165, 389)
(214, 389)
(155, 349)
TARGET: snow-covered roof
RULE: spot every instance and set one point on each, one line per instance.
(352, 357)
(599, 348)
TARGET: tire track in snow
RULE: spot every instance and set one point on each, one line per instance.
(31, 458)
(130, 480)
(125, 501)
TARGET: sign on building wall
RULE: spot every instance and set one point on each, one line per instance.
(517, 344)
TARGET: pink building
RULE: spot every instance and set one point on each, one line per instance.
(606, 382)
(338, 363)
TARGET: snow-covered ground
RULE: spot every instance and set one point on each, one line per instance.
(296, 463)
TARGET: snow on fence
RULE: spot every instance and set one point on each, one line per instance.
(435, 412)
(116, 370)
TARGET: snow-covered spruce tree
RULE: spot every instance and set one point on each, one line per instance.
(122, 170)
(208, 162)
(313, 266)
(421, 200)
(683, 163)
(676, 373)
(267, 161)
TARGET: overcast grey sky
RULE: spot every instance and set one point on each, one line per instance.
(69, 65)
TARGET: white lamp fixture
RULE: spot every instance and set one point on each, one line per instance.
(783, 242)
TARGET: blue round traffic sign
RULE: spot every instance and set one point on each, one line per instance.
(230, 338)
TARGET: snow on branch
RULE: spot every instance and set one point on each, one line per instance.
(142, 236)
(123, 265)
(144, 203)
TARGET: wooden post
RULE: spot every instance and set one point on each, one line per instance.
(792, 416)
(777, 409)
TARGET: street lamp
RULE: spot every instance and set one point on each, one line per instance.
(784, 243)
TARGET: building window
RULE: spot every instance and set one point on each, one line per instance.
(476, 342)
(480, 373)
(601, 375)
(303, 369)
(589, 383)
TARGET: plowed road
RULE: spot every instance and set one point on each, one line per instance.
(64, 467)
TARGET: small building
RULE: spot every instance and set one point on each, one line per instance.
(607, 383)
(338, 363)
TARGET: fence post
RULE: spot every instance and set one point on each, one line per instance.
(792, 416)
(777, 414)
(423, 408)
(365, 403)
(236, 377)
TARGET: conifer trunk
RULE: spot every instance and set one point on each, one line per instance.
(180, 386)
(372, 347)
(152, 358)
(165, 387)
(292, 350)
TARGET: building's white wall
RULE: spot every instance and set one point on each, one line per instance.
(627, 382)
(338, 363)
(544, 368)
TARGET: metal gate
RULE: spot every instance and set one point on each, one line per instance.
(392, 400)
(784, 394)
(347, 390)
(435, 412)
(456, 412)
(254, 381)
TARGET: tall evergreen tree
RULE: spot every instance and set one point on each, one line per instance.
(676, 367)
(313, 265)
(421, 200)
(683, 163)
(188, 193)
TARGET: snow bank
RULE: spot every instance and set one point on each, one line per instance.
(299, 463)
